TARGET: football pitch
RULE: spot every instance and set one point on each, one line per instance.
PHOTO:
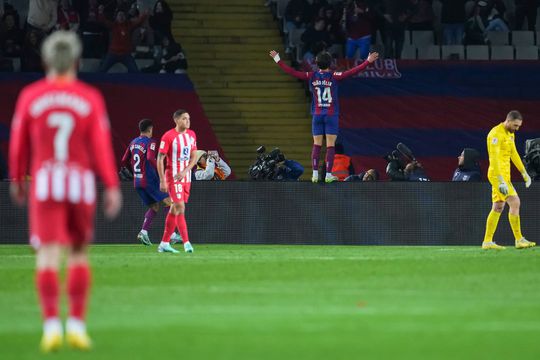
(291, 302)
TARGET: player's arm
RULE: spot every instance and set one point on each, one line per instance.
(208, 172)
(105, 167)
(19, 151)
(221, 164)
(126, 158)
(161, 171)
(494, 152)
(151, 154)
(355, 70)
(302, 75)
(516, 159)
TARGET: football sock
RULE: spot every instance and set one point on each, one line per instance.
(47, 287)
(52, 325)
(515, 224)
(148, 218)
(316, 174)
(78, 283)
(330, 152)
(170, 225)
(491, 225)
(315, 155)
(182, 227)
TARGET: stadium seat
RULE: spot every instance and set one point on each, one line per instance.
(522, 38)
(526, 53)
(408, 52)
(477, 52)
(453, 52)
(502, 53)
(430, 52)
(498, 37)
(92, 65)
(421, 38)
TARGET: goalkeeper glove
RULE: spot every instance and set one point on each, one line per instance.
(526, 178)
(503, 187)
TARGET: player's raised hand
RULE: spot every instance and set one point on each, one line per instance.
(372, 57)
(275, 55)
(112, 203)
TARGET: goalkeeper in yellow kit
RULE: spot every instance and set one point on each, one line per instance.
(501, 149)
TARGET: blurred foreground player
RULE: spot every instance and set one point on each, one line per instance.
(323, 85)
(140, 158)
(61, 132)
(501, 149)
(179, 147)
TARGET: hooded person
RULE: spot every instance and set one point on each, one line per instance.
(468, 166)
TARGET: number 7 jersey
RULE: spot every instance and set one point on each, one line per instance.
(60, 133)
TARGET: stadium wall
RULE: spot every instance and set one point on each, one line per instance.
(381, 213)
(129, 98)
(437, 108)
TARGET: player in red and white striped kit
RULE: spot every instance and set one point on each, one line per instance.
(179, 147)
(61, 132)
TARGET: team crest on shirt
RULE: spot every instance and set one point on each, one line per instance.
(494, 141)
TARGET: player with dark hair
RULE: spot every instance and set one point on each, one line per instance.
(61, 129)
(179, 147)
(325, 105)
(501, 149)
(140, 158)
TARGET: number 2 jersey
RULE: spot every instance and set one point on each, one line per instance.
(323, 86)
(60, 136)
(140, 156)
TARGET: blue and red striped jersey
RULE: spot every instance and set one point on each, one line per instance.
(324, 91)
(140, 156)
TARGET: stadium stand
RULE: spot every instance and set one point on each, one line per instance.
(477, 52)
(247, 98)
(502, 52)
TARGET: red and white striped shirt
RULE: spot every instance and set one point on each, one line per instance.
(60, 132)
(178, 148)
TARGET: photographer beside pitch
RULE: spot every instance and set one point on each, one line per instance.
(501, 149)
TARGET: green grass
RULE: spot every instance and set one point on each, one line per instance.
(291, 302)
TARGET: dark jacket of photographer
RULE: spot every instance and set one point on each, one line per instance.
(395, 171)
(470, 169)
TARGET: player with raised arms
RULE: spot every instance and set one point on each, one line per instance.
(323, 85)
(501, 149)
(179, 147)
(140, 157)
(61, 137)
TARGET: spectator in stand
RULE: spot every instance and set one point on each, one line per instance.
(42, 17)
(297, 15)
(210, 166)
(421, 15)
(30, 55)
(453, 21)
(120, 46)
(314, 36)
(526, 9)
(173, 59)
(468, 166)
(358, 25)
(482, 21)
(68, 18)
(318, 8)
(94, 33)
(333, 25)
(161, 19)
(143, 41)
(395, 15)
(11, 37)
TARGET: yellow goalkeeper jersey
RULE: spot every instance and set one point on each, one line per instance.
(501, 148)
